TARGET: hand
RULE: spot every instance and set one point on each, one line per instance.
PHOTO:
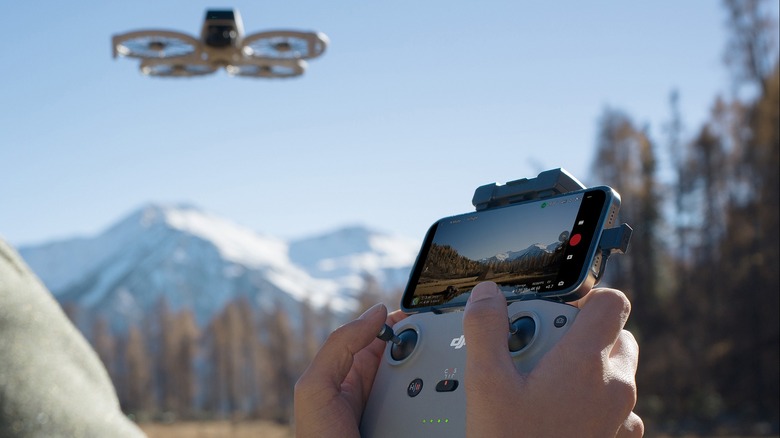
(585, 386)
(332, 392)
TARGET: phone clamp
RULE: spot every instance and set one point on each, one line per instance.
(546, 184)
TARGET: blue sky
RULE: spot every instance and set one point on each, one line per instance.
(412, 107)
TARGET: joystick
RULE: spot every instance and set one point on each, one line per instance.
(403, 349)
(521, 332)
(403, 344)
(386, 334)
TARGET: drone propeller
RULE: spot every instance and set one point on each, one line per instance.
(180, 68)
(284, 44)
(268, 69)
(155, 44)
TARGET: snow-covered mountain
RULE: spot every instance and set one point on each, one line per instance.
(534, 250)
(347, 254)
(197, 260)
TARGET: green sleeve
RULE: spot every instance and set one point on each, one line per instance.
(51, 381)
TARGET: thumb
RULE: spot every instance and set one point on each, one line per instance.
(334, 360)
(486, 327)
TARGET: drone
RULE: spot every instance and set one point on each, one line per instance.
(222, 44)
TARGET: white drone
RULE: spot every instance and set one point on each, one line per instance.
(272, 54)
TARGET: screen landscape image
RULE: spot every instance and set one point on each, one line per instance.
(519, 248)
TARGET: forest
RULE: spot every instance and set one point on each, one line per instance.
(702, 269)
(701, 272)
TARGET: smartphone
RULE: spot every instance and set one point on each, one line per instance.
(544, 248)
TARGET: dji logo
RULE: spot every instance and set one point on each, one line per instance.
(458, 342)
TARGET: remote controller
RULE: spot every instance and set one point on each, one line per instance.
(543, 241)
(419, 387)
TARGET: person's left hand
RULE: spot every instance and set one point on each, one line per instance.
(331, 394)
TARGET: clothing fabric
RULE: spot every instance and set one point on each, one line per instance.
(52, 383)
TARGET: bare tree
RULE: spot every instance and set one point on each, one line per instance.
(751, 52)
(279, 345)
(105, 345)
(140, 398)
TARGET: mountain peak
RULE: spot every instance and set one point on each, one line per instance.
(235, 242)
(196, 259)
(161, 208)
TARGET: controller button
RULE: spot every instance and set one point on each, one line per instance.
(414, 387)
(403, 349)
(521, 332)
(560, 321)
(447, 386)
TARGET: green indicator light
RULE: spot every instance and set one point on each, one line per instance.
(544, 204)
(435, 420)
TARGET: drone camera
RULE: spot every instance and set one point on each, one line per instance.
(221, 28)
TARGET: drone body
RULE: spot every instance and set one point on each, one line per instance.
(222, 44)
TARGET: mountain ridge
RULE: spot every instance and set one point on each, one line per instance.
(194, 259)
(530, 251)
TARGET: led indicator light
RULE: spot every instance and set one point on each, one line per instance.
(437, 421)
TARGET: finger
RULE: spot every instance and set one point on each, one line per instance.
(491, 375)
(377, 347)
(395, 317)
(486, 327)
(603, 314)
(333, 362)
(633, 427)
(623, 360)
(625, 353)
(366, 361)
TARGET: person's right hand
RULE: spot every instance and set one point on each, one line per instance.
(584, 387)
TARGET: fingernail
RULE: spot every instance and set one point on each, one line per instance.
(371, 311)
(484, 291)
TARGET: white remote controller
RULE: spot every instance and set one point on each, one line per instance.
(419, 387)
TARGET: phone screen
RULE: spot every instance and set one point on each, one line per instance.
(539, 248)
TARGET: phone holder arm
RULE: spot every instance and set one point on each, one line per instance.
(613, 241)
(548, 183)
